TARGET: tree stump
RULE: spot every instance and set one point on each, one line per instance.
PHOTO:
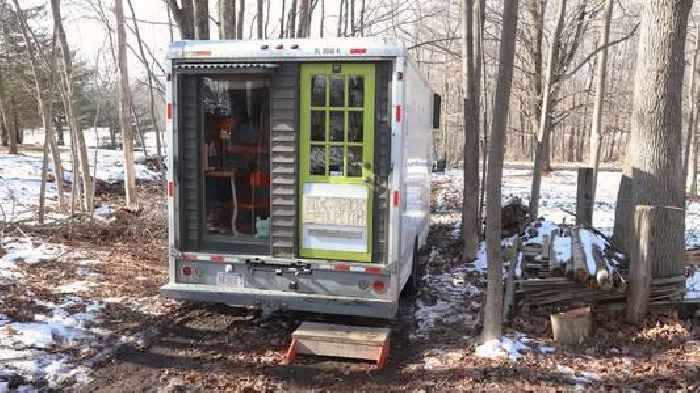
(572, 327)
(656, 252)
(584, 197)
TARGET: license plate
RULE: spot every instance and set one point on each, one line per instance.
(229, 279)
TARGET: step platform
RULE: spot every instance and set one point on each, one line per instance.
(326, 339)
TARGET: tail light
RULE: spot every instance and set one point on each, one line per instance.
(186, 271)
(378, 287)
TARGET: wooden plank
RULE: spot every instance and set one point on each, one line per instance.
(341, 333)
(338, 349)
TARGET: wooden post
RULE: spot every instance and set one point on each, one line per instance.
(656, 253)
(584, 197)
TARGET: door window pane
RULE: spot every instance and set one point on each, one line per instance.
(335, 168)
(317, 160)
(337, 91)
(355, 161)
(354, 126)
(356, 90)
(337, 126)
(318, 126)
(318, 90)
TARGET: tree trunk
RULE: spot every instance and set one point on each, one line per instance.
(352, 18)
(8, 136)
(493, 315)
(260, 19)
(362, 18)
(227, 19)
(692, 110)
(544, 131)
(201, 19)
(694, 165)
(125, 109)
(340, 18)
(654, 160)
(596, 129)
(240, 20)
(292, 19)
(470, 194)
(284, 5)
(78, 139)
(346, 17)
(304, 19)
(184, 17)
(323, 17)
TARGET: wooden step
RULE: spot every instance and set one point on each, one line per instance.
(326, 339)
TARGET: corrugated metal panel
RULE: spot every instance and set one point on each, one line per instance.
(284, 142)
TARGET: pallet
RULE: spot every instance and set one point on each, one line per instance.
(326, 339)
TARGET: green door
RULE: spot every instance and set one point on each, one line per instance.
(336, 165)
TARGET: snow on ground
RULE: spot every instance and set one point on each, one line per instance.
(100, 139)
(20, 179)
(692, 286)
(25, 250)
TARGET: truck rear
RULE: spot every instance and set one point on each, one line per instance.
(299, 173)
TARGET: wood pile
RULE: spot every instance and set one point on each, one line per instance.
(565, 266)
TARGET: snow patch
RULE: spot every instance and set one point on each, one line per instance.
(506, 346)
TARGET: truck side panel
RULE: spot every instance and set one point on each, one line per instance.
(416, 165)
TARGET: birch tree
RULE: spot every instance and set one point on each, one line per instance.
(240, 21)
(600, 94)
(493, 314)
(125, 109)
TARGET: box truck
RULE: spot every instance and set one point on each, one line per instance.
(298, 173)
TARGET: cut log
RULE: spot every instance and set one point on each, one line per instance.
(580, 267)
(603, 279)
(572, 327)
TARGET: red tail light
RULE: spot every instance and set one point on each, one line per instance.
(170, 110)
(358, 51)
(171, 189)
(186, 271)
(378, 286)
(398, 113)
(395, 198)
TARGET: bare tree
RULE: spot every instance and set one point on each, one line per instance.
(227, 19)
(544, 130)
(653, 174)
(184, 17)
(292, 19)
(322, 18)
(151, 95)
(260, 19)
(78, 139)
(493, 315)
(340, 17)
(600, 94)
(304, 19)
(693, 99)
(470, 89)
(12, 137)
(201, 19)
(43, 92)
(124, 109)
(241, 20)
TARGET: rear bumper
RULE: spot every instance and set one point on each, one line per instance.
(278, 300)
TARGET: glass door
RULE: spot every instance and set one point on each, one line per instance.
(336, 166)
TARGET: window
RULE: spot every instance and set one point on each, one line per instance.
(337, 115)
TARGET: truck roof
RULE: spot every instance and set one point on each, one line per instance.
(300, 49)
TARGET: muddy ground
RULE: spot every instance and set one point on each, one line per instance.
(184, 347)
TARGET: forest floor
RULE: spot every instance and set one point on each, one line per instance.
(80, 311)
